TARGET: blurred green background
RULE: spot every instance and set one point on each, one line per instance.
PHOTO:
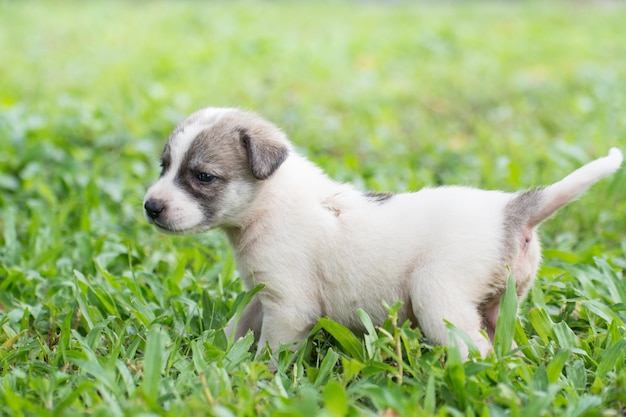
(392, 96)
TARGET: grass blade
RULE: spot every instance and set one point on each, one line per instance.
(335, 398)
(153, 362)
(348, 341)
(455, 372)
(612, 358)
(616, 286)
(601, 310)
(505, 328)
(555, 367)
(542, 323)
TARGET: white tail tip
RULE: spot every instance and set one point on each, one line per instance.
(616, 155)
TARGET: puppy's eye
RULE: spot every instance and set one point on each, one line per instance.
(205, 177)
(164, 167)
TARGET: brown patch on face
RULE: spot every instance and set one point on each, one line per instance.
(166, 159)
(264, 144)
(239, 146)
(217, 154)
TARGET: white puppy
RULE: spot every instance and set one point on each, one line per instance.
(326, 249)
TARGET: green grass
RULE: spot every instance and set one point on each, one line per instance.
(101, 315)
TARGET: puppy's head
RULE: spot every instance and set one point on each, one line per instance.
(212, 166)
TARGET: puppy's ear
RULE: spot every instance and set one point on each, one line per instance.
(265, 154)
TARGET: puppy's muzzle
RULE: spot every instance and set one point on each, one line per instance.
(153, 208)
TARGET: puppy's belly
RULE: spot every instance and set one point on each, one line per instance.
(343, 306)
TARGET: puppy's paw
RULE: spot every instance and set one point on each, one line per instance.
(483, 345)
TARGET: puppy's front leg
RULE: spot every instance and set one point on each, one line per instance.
(251, 319)
(282, 327)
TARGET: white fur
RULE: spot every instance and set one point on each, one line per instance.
(325, 249)
(369, 254)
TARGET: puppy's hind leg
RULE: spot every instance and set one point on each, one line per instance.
(435, 301)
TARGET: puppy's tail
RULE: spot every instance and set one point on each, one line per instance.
(541, 204)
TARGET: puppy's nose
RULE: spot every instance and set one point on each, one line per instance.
(153, 208)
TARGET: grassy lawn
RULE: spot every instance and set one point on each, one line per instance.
(102, 315)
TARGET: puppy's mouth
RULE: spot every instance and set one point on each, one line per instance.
(173, 229)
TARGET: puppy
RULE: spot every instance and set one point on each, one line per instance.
(326, 249)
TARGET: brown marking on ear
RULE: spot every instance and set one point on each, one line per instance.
(264, 156)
